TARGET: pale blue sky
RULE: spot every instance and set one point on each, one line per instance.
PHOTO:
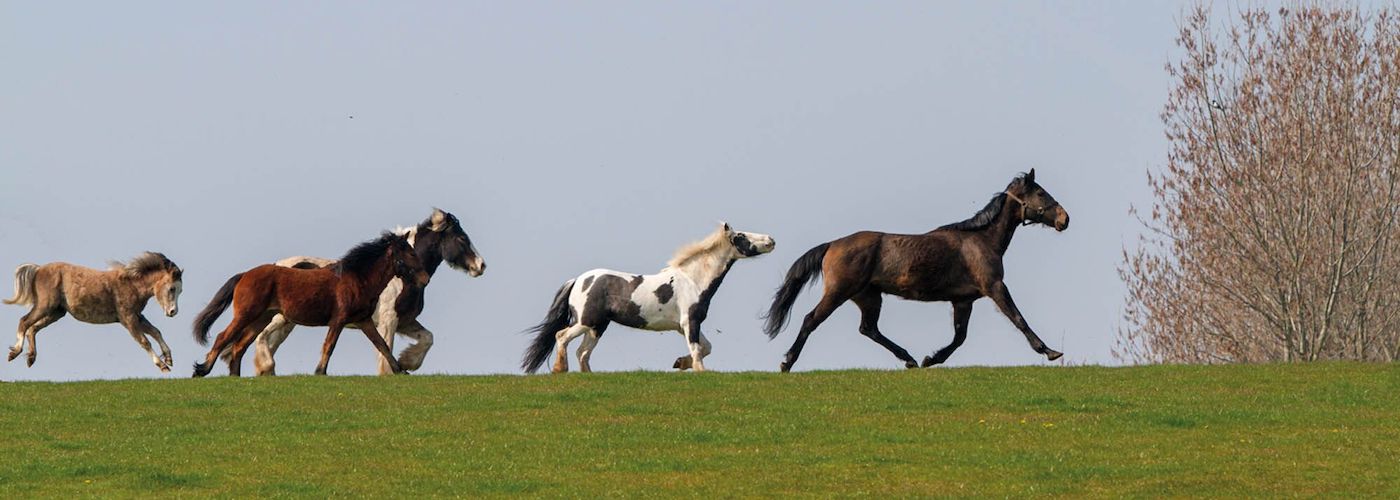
(574, 135)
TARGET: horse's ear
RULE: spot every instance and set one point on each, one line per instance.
(1030, 176)
(724, 226)
(438, 222)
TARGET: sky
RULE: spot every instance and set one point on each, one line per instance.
(569, 136)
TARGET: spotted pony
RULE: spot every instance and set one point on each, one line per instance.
(675, 299)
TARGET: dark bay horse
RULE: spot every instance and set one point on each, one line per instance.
(345, 293)
(958, 263)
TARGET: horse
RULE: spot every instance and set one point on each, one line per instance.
(958, 263)
(345, 293)
(116, 295)
(438, 239)
(675, 299)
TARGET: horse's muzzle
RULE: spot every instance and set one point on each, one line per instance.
(172, 312)
(477, 267)
(1061, 219)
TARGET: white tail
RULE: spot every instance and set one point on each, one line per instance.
(24, 285)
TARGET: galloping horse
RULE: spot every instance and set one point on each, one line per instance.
(675, 299)
(345, 293)
(114, 296)
(438, 239)
(958, 263)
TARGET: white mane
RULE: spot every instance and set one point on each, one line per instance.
(705, 258)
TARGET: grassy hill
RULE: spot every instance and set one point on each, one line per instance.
(1179, 430)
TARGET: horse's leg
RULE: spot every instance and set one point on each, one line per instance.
(240, 348)
(39, 324)
(375, 338)
(961, 312)
(24, 324)
(1002, 297)
(332, 336)
(830, 301)
(386, 323)
(138, 333)
(870, 303)
(243, 317)
(699, 349)
(276, 331)
(412, 356)
(695, 343)
(561, 346)
(585, 349)
(154, 333)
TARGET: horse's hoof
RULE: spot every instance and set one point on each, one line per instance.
(683, 363)
(13, 355)
(30, 361)
(928, 361)
(911, 364)
(1052, 354)
(164, 369)
(785, 366)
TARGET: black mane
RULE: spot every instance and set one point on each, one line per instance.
(989, 213)
(361, 258)
(982, 218)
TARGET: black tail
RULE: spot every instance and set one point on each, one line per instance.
(212, 311)
(556, 319)
(799, 276)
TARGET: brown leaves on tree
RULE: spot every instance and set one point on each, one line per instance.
(1273, 234)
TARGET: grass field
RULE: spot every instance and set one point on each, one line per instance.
(1163, 430)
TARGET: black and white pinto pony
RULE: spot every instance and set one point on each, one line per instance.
(438, 239)
(675, 299)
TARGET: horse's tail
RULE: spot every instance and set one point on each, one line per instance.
(556, 319)
(799, 276)
(24, 285)
(216, 306)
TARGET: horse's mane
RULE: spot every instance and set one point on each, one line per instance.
(361, 258)
(716, 241)
(144, 264)
(987, 214)
(982, 218)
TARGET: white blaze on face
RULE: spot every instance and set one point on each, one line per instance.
(169, 297)
(478, 264)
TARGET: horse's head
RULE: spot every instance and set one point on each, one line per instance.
(452, 242)
(748, 244)
(1037, 206)
(167, 289)
(406, 264)
(154, 270)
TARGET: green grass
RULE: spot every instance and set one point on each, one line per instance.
(1325, 429)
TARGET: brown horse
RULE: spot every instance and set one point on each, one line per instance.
(116, 295)
(958, 263)
(345, 293)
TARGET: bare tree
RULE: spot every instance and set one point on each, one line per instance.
(1273, 234)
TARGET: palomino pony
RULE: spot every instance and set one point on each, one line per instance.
(116, 295)
(438, 239)
(345, 293)
(675, 299)
(958, 263)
